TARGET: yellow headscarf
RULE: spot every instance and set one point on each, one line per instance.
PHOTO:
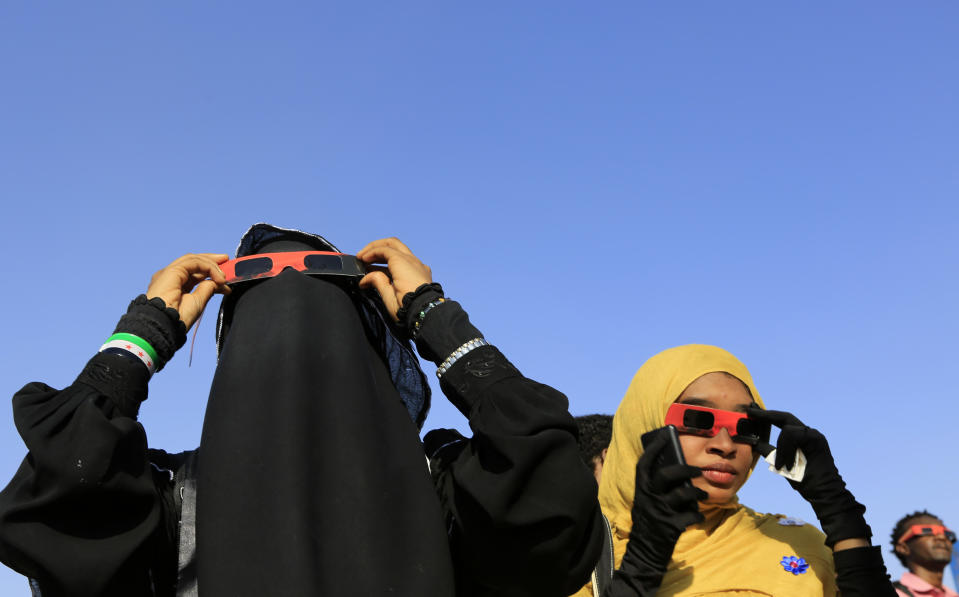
(735, 551)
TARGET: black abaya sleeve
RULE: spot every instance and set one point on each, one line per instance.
(522, 507)
(87, 513)
(861, 571)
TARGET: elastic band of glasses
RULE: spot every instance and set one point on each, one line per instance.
(459, 353)
(421, 316)
(135, 346)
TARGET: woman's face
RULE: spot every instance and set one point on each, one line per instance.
(725, 463)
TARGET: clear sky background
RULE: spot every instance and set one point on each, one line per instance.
(595, 182)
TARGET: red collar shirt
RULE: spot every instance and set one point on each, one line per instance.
(921, 588)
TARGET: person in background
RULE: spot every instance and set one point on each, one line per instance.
(924, 545)
(595, 432)
(311, 478)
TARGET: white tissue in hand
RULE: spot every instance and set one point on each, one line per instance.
(794, 473)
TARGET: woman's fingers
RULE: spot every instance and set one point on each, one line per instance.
(381, 282)
(684, 497)
(791, 437)
(406, 271)
(644, 468)
(385, 243)
(188, 275)
(778, 418)
(193, 304)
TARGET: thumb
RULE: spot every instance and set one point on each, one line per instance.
(192, 305)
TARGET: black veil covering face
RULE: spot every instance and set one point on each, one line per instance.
(312, 476)
(382, 332)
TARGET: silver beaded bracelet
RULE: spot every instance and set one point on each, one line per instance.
(459, 353)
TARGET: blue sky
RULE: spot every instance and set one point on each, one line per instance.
(595, 183)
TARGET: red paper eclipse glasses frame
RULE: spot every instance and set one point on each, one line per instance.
(267, 265)
(707, 422)
(923, 530)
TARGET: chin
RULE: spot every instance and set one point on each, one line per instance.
(719, 499)
(717, 495)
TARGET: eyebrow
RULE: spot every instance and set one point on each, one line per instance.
(710, 404)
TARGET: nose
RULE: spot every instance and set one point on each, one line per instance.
(722, 444)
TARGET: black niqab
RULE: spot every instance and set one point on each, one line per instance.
(312, 479)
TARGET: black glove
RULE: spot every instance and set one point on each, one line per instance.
(839, 514)
(664, 505)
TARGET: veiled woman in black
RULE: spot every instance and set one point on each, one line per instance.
(311, 478)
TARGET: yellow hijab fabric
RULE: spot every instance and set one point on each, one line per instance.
(735, 551)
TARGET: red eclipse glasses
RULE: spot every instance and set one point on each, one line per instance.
(700, 420)
(267, 265)
(923, 530)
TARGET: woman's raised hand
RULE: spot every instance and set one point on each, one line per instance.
(840, 515)
(189, 283)
(402, 273)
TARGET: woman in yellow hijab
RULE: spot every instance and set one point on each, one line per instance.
(679, 530)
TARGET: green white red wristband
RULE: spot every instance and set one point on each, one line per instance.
(135, 346)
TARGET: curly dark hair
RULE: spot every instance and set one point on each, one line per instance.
(900, 529)
(595, 431)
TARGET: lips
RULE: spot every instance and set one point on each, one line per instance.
(719, 473)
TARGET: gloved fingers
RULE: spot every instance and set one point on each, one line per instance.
(791, 435)
(779, 418)
(809, 440)
(691, 517)
(684, 498)
(786, 445)
(764, 448)
(673, 475)
(651, 452)
(814, 440)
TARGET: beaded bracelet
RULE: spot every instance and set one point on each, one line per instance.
(135, 346)
(458, 354)
(421, 316)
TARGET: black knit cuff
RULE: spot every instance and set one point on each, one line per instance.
(413, 302)
(123, 380)
(156, 323)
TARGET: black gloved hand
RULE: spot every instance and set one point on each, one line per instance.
(839, 514)
(664, 505)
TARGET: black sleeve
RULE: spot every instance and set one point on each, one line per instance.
(86, 513)
(861, 571)
(522, 507)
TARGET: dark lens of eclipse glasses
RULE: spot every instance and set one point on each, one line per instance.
(253, 267)
(323, 263)
(698, 419)
(747, 430)
(752, 431)
(950, 536)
